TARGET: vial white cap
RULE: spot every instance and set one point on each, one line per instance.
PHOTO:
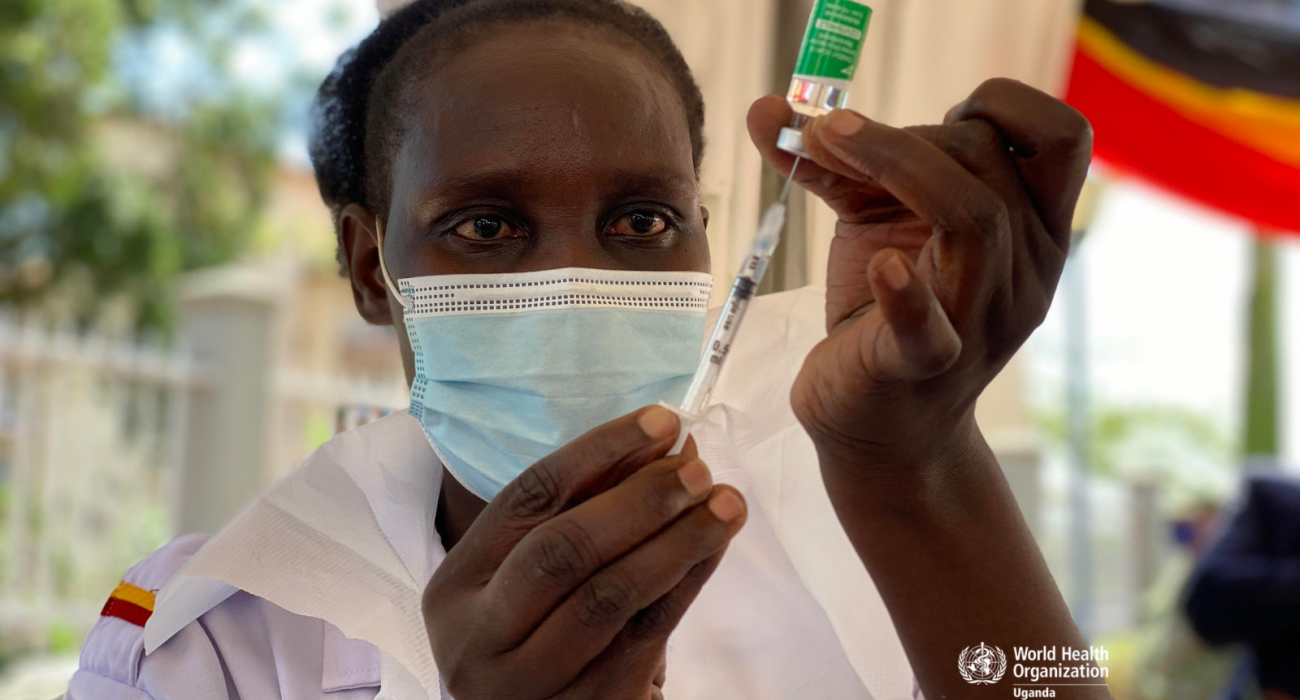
(791, 141)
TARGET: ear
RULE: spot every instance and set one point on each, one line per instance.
(359, 237)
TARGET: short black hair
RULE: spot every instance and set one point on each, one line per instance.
(354, 115)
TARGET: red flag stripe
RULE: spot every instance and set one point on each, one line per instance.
(1142, 135)
(125, 610)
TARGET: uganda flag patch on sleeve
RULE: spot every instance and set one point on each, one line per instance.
(130, 603)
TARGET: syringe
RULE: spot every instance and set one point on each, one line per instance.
(724, 332)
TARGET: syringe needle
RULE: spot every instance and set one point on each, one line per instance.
(785, 191)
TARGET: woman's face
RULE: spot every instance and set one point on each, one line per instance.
(537, 146)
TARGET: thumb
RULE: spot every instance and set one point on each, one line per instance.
(832, 141)
(916, 340)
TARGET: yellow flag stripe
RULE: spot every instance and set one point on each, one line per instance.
(1265, 123)
(135, 595)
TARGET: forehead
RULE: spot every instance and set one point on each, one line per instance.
(550, 97)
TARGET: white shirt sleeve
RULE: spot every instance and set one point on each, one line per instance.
(88, 685)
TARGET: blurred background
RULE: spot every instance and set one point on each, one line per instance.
(174, 334)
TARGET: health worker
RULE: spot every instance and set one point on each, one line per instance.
(515, 188)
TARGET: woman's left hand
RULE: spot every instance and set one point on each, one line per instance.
(948, 248)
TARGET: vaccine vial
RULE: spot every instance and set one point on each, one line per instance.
(832, 45)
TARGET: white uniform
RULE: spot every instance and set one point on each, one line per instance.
(314, 591)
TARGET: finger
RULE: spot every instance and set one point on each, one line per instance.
(1035, 260)
(982, 150)
(916, 340)
(631, 675)
(653, 625)
(641, 643)
(970, 220)
(767, 116)
(593, 463)
(1052, 142)
(689, 448)
(559, 555)
(593, 615)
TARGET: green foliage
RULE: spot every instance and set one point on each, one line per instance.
(77, 232)
(1119, 436)
(6, 545)
(1261, 435)
(61, 637)
(222, 187)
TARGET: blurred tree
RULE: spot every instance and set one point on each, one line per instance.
(77, 234)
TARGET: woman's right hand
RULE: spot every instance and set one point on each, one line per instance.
(570, 581)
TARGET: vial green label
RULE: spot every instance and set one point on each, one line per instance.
(833, 42)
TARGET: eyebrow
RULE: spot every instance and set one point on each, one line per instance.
(630, 182)
(509, 184)
(502, 181)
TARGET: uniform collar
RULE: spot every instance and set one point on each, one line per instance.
(347, 537)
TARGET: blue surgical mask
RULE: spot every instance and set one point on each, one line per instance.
(510, 367)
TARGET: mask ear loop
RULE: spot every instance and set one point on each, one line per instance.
(383, 268)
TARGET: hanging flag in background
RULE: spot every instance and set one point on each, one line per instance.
(1200, 97)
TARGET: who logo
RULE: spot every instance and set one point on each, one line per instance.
(982, 664)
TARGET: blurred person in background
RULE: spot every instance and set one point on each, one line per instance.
(1172, 661)
(1246, 589)
(484, 143)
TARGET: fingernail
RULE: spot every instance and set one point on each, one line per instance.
(696, 478)
(658, 423)
(894, 272)
(726, 506)
(953, 113)
(843, 122)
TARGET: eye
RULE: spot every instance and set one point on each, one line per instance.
(487, 228)
(638, 223)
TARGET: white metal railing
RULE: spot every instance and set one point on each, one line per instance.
(90, 436)
(310, 408)
(93, 447)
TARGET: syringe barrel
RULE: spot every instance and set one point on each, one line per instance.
(724, 332)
